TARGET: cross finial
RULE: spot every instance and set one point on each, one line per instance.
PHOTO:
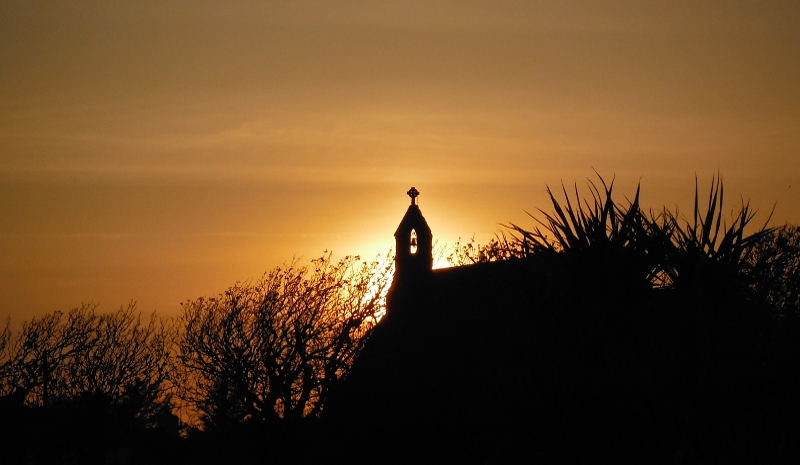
(413, 193)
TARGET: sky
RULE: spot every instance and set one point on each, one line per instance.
(159, 151)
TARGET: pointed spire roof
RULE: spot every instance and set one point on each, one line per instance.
(413, 218)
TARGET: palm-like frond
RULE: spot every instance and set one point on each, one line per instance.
(671, 250)
(707, 239)
(588, 223)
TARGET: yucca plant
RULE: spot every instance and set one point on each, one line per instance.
(582, 226)
(669, 251)
(688, 353)
(605, 238)
(705, 248)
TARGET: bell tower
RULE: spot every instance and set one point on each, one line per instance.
(413, 243)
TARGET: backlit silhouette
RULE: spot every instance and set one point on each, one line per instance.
(612, 333)
(619, 333)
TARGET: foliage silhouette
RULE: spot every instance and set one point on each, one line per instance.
(272, 350)
(61, 358)
(775, 266)
(664, 250)
(84, 381)
(470, 253)
(586, 225)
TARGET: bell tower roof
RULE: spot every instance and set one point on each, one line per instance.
(413, 219)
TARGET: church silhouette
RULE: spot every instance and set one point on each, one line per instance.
(440, 377)
(562, 357)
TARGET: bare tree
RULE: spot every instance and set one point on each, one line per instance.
(68, 358)
(273, 349)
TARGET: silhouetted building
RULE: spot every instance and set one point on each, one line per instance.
(560, 357)
(433, 374)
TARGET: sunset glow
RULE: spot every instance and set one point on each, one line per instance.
(160, 151)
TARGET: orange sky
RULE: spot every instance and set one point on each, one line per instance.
(160, 151)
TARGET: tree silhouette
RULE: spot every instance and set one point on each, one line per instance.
(273, 349)
(84, 381)
(65, 357)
